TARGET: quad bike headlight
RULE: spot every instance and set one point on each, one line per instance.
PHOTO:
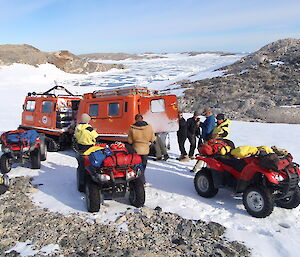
(130, 174)
(104, 177)
(278, 177)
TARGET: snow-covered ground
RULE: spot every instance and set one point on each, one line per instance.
(171, 183)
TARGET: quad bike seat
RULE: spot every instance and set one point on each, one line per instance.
(237, 164)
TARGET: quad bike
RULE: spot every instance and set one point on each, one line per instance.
(19, 146)
(261, 187)
(109, 182)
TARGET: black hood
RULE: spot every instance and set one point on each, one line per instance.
(140, 123)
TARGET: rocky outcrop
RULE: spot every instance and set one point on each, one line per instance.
(138, 232)
(64, 60)
(254, 88)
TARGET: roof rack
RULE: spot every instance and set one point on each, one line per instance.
(133, 90)
(48, 92)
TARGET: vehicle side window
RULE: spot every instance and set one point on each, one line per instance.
(158, 105)
(93, 110)
(30, 106)
(46, 107)
(113, 109)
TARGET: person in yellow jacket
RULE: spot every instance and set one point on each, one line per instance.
(141, 135)
(222, 128)
(85, 135)
(247, 150)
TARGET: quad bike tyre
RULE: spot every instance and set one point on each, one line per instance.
(258, 201)
(5, 163)
(290, 202)
(35, 159)
(43, 147)
(204, 184)
(92, 195)
(137, 193)
(81, 180)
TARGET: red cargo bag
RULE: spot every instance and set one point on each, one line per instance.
(121, 159)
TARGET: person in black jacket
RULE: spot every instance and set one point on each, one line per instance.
(181, 137)
(192, 128)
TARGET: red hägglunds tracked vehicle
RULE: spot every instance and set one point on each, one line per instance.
(112, 112)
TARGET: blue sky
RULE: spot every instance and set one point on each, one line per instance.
(137, 26)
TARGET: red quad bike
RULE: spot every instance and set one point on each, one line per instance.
(19, 146)
(261, 187)
(118, 174)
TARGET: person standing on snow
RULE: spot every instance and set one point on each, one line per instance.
(207, 126)
(192, 128)
(181, 137)
(85, 135)
(160, 149)
(222, 128)
(141, 135)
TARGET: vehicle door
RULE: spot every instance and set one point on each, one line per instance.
(47, 118)
(29, 112)
(160, 111)
(106, 116)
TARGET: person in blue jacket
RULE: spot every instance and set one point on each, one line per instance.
(208, 125)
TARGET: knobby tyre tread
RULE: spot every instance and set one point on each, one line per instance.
(292, 202)
(204, 176)
(268, 199)
(137, 193)
(35, 159)
(93, 196)
(5, 164)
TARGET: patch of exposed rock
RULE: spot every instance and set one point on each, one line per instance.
(64, 60)
(138, 232)
(254, 88)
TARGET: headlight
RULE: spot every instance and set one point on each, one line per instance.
(278, 177)
(6, 150)
(130, 174)
(104, 177)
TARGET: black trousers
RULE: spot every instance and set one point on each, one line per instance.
(192, 140)
(181, 140)
(144, 163)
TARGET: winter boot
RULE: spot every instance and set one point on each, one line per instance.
(185, 159)
(179, 158)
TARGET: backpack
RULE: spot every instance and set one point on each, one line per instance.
(30, 136)
(96, 158)
(274, 162)
(217, 146)
(269, 161)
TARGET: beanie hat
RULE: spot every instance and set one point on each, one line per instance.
(220, 116)
(85, 118)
